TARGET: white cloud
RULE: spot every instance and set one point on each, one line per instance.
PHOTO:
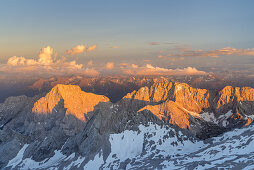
(45, 56)
(76, 50)
(90, 72)
(90, 63)
(80, 49)
(227, 51)
(110, 65)
(45, 63)
(134, 66)
(148, 69)
(91, 48)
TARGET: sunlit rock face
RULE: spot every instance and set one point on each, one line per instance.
(158, 92)
(192, 108)
(230, 94)
(70, 128)
(240, 100)
(172, 102)
(192, 99)
(76, 102)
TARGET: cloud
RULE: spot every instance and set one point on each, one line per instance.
(160, 56)
(147, 61)
(91, 48)
(124, 65)
(44, 64)
(45, 56)
(154, 43)
(148, 69)
(15, 61)
(110, 65)
(90, 72)
(80, 49)
(134, 66)
(90, 63)
(227, 51)
(115, 47)
(161, 43)
(76, 50)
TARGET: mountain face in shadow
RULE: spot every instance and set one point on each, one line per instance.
(149, 128)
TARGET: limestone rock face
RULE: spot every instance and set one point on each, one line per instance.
(172, 102)
(170, 112)
(76, 102)
(192, 108)
(45, 122)
(157, 93)
(192, 99)
(80, 125)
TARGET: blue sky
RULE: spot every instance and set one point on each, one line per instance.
(27, 26)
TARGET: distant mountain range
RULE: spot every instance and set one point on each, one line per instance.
(162, 125)
(116, 86)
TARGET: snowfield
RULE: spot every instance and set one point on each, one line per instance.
(161, 147)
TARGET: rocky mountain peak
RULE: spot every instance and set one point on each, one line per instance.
(158, 92)
(188, 107)
(192, 99)
(76, 101)
(169, 119)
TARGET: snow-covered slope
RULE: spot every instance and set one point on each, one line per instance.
(162, 147)
(234, 149)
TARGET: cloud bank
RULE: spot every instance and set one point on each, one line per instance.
(45, 64)
(148, 69)
(227, 51)
(48, 63)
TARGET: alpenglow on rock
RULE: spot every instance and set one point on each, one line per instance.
(196, 109)
(166, 125)
(76, 102)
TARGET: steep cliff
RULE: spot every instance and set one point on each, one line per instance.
(76, 102)
(69, 128)
(193, 108)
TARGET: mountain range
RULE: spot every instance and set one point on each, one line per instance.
(161, 125)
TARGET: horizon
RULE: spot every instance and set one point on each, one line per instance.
(128, 38)
(134, 84)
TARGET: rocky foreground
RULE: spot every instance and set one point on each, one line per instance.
(165, 126)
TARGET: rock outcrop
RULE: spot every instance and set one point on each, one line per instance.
(70, 124)
(196, 109)
(76, 102)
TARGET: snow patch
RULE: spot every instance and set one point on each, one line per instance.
(127, 144)
(209, 117)
(95, 163)
(17, 160)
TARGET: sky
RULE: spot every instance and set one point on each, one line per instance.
(126, 36)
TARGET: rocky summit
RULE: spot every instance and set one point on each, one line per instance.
(78, 103)
(167, 125)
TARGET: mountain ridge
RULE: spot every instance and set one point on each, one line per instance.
(153, 118)
(76, 102)
(193, 101)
